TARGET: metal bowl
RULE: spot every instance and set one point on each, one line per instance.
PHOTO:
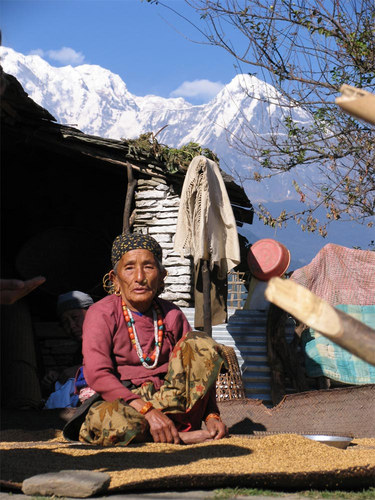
(337, 441)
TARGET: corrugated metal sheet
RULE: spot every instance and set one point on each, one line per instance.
(246, 333)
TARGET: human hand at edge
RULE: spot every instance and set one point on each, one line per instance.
(12, 290)
(216, 428)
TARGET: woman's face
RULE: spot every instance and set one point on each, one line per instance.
(138, 278)
(72, 321)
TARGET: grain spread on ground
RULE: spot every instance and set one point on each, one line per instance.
(234, 456)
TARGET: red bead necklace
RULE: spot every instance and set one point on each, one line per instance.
(144, 358)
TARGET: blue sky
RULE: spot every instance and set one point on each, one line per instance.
(143, 43)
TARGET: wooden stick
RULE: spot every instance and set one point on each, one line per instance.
(357, 102)
(206, 281)
(131, 185)
(341, 328)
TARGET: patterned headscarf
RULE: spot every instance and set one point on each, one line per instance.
(132, 241)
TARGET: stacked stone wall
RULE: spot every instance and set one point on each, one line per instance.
(156, 206)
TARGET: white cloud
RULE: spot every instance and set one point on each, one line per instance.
(198, 88)
(37, 52)
(65, 55)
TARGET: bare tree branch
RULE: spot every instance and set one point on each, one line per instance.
(307, 49)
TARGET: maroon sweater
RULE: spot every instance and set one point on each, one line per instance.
(108, 353)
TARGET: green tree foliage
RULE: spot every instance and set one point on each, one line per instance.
(306, 49)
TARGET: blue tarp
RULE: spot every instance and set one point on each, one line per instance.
(325, 358)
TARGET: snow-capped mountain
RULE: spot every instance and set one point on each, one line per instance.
(98, 102)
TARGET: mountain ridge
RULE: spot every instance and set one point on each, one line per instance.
(98, 102)
(106, 108)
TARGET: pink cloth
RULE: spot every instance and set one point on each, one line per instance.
(340, 275)
(108, 353)
(85, 393)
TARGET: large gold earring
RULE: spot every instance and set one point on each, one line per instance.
(108, 284)
(118, 293)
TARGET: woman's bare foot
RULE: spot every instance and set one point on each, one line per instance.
(194, 437)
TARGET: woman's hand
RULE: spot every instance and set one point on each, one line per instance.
(216, 428)
(50, 378)
(162, 428)
(13, 289)
(67, 373)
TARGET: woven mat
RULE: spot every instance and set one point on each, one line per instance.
(347, 411)
(265, 448)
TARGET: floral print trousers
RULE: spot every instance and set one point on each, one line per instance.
(193, 368)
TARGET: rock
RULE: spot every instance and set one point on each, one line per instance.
(172, 261)
(149, 194)
(162, 230)
(179, 288)
(67, 483)
(184, 279)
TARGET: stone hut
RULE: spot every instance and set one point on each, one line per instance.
(65, 196)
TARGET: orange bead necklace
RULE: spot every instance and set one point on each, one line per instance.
(144, 358)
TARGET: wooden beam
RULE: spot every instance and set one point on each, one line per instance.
(243, 214)
(341, 328)
(131, 185)
(206, 281)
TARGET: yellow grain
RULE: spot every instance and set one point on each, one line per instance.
(279, 453)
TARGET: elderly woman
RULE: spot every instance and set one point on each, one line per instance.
(155, 377)
(71, 311)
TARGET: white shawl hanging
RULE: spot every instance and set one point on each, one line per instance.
(206, 227)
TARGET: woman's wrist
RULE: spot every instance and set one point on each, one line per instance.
(146, 408)
(216, 416)
(141, 406)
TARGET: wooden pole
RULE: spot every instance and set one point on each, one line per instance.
(341, 328)
(206, 281)
(129, 198)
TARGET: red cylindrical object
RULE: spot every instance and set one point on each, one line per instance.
(268, 258)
